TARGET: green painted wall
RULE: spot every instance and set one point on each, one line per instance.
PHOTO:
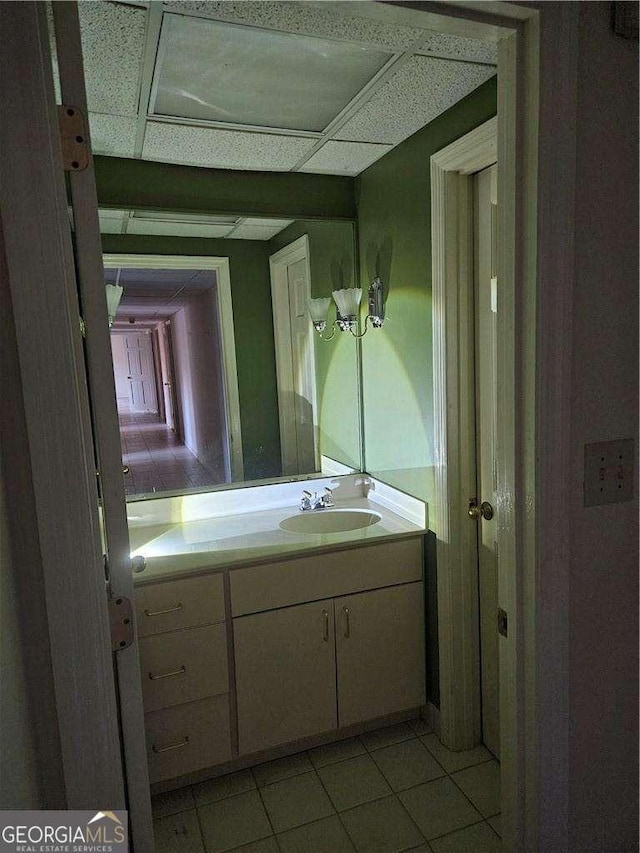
(394, 226)
(140, 184)
(253, 329)
(332, 261)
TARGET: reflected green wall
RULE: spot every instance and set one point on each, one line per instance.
(333, 266)
(394, 225)
(253, 329)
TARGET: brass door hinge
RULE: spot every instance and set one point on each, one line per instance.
(121, 622)
(74, 138)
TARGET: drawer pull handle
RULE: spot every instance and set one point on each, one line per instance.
(180, 671)
(347, 622)
(179, 606)
(159, 749)
(325, 616)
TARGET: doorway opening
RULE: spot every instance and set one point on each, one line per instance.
(169, 370)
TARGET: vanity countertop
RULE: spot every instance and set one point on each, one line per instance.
(177, 549)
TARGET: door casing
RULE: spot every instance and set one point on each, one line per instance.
(535, 121)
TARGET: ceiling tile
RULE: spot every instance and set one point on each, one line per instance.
(176, 229)
(213, 71)
(267, 223)
(417, 93)
(457, 47)
(110, 225)
(256, 232)
(113, 135)
(344, 158)
(223, 149)
(306, 18)
(113, 38)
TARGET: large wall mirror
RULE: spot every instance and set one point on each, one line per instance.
(220, 377)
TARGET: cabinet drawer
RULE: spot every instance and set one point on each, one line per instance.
(183, 666)
(325, 575)
(179, 604)
(188, 737)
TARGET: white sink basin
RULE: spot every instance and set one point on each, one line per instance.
(330, 520)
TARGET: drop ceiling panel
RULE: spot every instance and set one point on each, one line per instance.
(177, 229)
(110, 225)
(113, 38)
(305, 18)
(267, 223)
(211, 71)
(248, 231)
(344, 158)
(417, 93)
(112, 135)
(456, 47)
(224, 149)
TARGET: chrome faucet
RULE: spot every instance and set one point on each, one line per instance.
(311, 502)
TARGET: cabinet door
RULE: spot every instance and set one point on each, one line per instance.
(285, 674)
(380, 652)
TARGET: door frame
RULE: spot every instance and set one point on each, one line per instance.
(234, 458)
(298, 250)
(454, 434)
(538, 70)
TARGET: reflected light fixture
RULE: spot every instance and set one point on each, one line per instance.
(114, 295)
(348, 306)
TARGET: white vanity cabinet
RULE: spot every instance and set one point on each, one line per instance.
(310, 668)
(287, 650)
(285, 675)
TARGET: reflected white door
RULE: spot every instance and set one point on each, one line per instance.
(140, 373)
(295, 362)
(486, 306)
(302, 365)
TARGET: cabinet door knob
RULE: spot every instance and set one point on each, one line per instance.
(347, 622)
(325, 618)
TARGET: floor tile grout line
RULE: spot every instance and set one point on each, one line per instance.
(468, 797)
(342, 824)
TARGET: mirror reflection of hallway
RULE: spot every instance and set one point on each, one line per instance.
(167, 366)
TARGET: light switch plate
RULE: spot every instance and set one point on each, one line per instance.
(608, 472)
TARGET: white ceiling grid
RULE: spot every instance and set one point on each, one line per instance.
(411, 90)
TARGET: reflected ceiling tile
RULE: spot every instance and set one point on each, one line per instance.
(256, 232)
(113, 38)
(110, 213)
(176, 229)
(222, 149)
(114, 135)
(267, 223)
(457, 47)
(306, 18)
(344, 158)
(110, 224)
(416, 94)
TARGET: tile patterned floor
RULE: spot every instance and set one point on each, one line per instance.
(392, 790)
(157, 460)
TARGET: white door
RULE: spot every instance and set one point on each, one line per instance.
(140, 372)
(302, 364)
(106, 438)
(295, 361)
(121, 372)
(486, 299)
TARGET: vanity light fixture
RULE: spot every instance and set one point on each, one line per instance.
(114, 295)
(348, 305)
